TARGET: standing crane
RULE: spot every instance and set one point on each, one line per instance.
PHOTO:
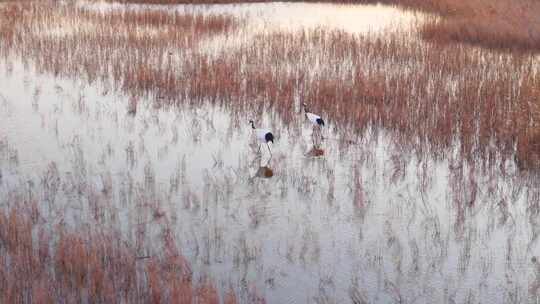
(263, 136)
(315, 120)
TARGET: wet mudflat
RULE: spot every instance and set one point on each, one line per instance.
(417, 193)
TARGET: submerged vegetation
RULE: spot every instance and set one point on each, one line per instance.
(452, 128)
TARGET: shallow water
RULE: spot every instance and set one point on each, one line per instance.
(278, 16)
(370, 215)
(367, 221)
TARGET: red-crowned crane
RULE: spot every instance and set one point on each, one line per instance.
(316, 121)
(263, 136)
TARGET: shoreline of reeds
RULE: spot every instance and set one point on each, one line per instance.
(501, 24)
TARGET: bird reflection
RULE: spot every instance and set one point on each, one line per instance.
(315, 151)
(263, 170)
(316, 137)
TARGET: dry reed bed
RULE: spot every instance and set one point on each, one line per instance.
(40, 265)
(115, 35)
(436, 96)
(499, 24)
(485, 102)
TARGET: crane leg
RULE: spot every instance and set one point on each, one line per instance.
(269, 150)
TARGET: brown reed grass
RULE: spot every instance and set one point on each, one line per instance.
(498, 24)
(40, 265)
(436, 96)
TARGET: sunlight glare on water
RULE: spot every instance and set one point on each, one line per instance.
(298, 16)
(278, 16)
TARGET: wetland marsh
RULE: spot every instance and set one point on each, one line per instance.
(129, 172)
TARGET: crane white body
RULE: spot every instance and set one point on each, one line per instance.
(313, 118)
(263, 136)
